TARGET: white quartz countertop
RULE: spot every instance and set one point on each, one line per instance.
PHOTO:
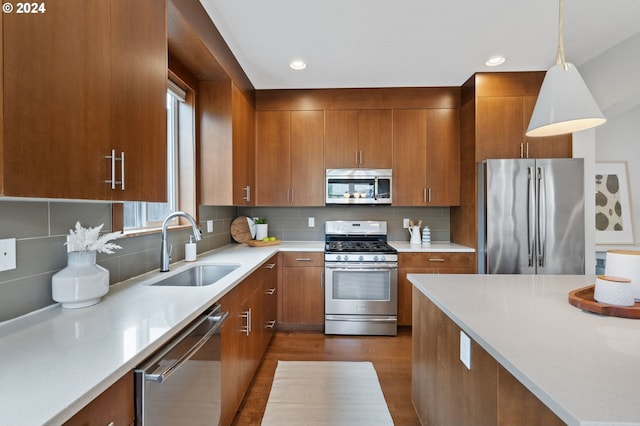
(405, 246)
(585, 367)
(54, 361)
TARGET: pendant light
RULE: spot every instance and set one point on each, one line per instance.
(564, 103)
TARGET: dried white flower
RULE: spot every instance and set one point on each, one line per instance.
(89, 239)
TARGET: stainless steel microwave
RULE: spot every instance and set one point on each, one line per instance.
(358, 186)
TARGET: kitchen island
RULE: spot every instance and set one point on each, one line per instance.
(583, 367)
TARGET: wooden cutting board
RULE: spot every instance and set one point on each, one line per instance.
(260, 243)
(240, 229)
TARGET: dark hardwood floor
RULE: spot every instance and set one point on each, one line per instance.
(391, 357)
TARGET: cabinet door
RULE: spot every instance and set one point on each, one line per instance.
(426, 263)
(443, 157)
(243, 134)
(341, 139)
(273, 158)
(139, 85)
(307, 158)
(375, 138)
(546, 147)
(303, 295)
(113, 406)
(499, 132)
(409, 157)
(57, 98)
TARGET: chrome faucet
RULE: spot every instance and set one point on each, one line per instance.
(165, 254)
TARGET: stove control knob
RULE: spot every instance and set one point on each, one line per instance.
(375, 258)
(346, 257)
(338, 258)
(361, 258)
(383, 258)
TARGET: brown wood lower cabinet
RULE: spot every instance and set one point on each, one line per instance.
(302, 291)
(445, 392)
(246, 333)
(113, 406)
(426, 263)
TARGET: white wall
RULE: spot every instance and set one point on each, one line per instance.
(619, 140)
(614, 80)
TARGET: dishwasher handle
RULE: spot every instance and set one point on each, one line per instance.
(217, 319)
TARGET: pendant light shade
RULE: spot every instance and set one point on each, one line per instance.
(564, 104)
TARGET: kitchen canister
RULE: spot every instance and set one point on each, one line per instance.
(625, 263)
(613, 291)
(426, 235)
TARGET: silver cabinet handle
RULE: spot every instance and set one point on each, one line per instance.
(436, 259)
(270, 324)
(270, 265)
(429, 192)
(270, 291)
(113, 159)
(521, 150)
(322, 279)
(357, 157)
(247, 193)
(303, 259)
(122, 170)
(361, 158)
(247, 328)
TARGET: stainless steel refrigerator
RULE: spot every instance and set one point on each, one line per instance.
(531, 216)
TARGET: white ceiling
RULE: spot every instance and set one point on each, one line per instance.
(401, 43)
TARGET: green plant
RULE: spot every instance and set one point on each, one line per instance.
(259, 220)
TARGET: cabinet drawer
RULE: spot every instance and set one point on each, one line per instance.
(302, 258)
(114, 406)
(436, 259)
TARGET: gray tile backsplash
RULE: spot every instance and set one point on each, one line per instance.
(291, 223)
(40, 228)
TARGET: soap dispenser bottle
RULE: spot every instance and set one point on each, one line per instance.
(190, 250)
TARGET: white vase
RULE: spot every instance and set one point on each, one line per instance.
(81, 283)
(262, 230)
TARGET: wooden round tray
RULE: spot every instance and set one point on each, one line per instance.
(583, 299)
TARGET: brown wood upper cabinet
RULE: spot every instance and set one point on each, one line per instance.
(289, 158)
(501, 124)
(358, 138)
(426, 157)
(81, 81)
(227, 144)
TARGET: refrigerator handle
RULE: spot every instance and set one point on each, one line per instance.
(531, 199)
(542, 225)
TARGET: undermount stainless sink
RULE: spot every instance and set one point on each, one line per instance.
(198, 275)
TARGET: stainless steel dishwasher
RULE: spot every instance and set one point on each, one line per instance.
(180, 384)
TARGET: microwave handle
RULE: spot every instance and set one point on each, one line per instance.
(375, 188)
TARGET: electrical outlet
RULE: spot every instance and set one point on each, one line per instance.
(465, 350)
(312, 222)
(405, 223)
(7, 254)
(209, 226)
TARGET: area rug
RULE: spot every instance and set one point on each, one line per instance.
(326, 393)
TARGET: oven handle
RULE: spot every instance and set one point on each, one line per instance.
(331, 318)
(360, 266)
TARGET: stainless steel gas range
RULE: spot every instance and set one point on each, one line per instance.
(361, 279)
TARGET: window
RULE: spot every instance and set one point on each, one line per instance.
(140, 215)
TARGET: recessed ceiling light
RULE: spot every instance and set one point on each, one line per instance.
(298, 64)
(495, 61)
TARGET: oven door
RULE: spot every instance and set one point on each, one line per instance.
(361, 289)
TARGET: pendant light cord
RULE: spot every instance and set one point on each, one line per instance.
(560, 55)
